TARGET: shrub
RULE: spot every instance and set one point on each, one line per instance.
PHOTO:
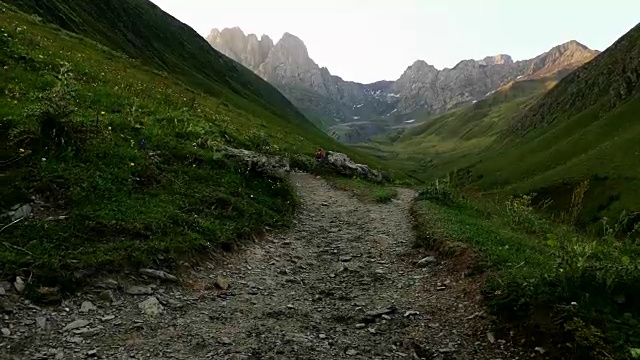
(521, 214)
(303, 163)
(439, 191)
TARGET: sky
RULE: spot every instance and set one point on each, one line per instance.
(373, 40)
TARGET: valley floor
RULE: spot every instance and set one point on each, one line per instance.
(312, 293)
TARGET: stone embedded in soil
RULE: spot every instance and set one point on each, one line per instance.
(426, 261)
(87, 306)
(491, 337)
(5, 332)
(222, 283)
(151, 306)
(138, 290)
(76, 325)
(107, 318)
(411, 312)
(41, 321)
(19, 284)
(108, 284)
(158, 274)
(380, 312)
(107, 296)
(351, 352)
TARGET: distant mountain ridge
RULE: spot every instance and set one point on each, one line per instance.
(328, 100)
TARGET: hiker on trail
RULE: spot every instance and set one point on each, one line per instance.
(319, 155)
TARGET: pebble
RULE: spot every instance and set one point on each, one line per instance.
(138, 290)
(108, 284)
(87, 306)
(107, 296)
(151, 306)
(360, 326)
(222, 283)
(107, 318)
(351, 352)
(322, 336)
(426, 261)
(158, 274)
(41, 321)
(76, 324)
(19, 284)
(2, 291)
(491, 337)
(5, 332)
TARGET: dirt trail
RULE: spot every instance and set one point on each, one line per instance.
(300, 295)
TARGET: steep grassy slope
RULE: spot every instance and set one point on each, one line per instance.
(120, 159)
(521, 141)
(141, 30)
(585, 128)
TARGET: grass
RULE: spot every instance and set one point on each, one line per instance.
(573, 294)
(540, 136)
(365, 190)
(122, 140)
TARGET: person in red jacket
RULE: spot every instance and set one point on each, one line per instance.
(319, 155)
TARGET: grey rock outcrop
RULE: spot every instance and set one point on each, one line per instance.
(340, 163)
(268, 164)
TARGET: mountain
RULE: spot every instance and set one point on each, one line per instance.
(324, 98)
(345, 109)
(542, 135)
(114, 119)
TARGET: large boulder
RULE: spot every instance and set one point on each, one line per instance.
(268, 164)
(342, 164)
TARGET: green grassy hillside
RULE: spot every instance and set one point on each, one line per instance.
(440, 144)
(525, 139)
(141, 30)
(585, 128)
(73, 116)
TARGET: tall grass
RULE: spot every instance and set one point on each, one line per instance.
(556, 284)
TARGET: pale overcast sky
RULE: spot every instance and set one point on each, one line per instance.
(372, 40)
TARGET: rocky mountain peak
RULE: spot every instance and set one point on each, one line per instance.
(562, 58)
(292, 44)
(245, 49)
(500, 59)
(214, 33)
(420, 66)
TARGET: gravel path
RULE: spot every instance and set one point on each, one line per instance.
(343, 283)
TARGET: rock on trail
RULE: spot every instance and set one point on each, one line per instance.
(343, 283)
